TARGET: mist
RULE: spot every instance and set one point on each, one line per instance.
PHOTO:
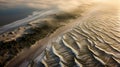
(65, 5)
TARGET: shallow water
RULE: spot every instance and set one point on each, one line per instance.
(9, 15)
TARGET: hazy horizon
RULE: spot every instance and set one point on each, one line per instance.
(14, 10)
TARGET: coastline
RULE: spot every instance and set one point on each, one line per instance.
(31, 29)
(18, 23)
(9, 14)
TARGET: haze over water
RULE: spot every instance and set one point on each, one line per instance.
(8, 15)
(14, 10)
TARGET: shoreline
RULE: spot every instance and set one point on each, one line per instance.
(26, 34)
(11, 14)
(22, 22)
(37, 30)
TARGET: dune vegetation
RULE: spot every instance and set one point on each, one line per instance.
(11, 48)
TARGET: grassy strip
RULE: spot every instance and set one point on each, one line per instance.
(10, 49)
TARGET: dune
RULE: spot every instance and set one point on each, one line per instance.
(85, 35)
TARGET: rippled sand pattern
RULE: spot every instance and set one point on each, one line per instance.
(95, 42)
